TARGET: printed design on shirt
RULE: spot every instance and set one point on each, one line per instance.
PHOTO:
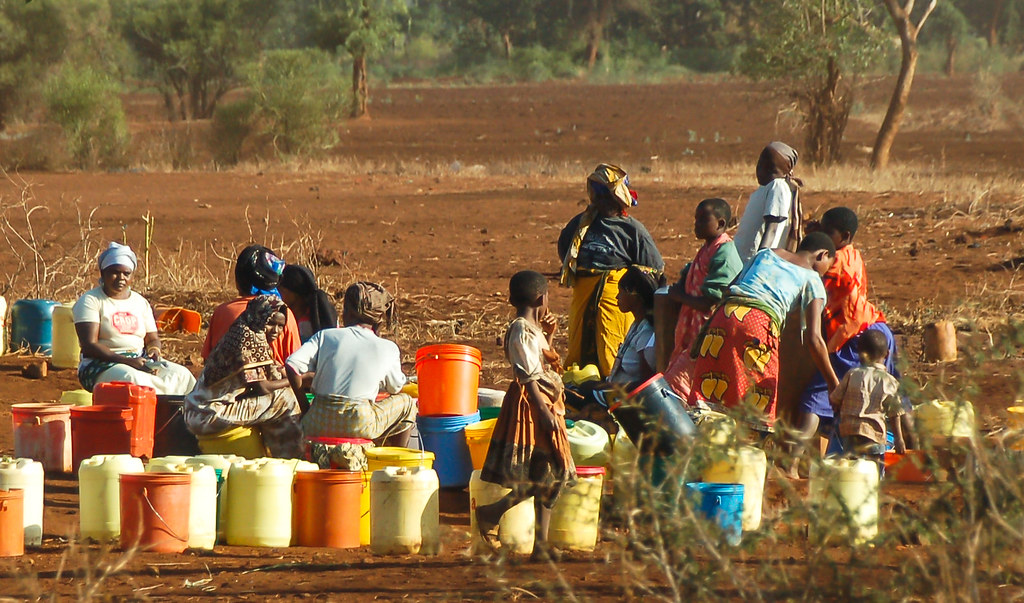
(712, 343)
(125, 323)
(756, 355)
(758, 397)
(713, 386)
(736, 311)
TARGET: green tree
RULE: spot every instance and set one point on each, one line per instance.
(507, 19)
(33, 35)
(950, 26)
(363, 28)
(84, 102)
(814, 49)
(194, 47)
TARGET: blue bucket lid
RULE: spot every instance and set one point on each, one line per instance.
(446, 422)
(713, 488)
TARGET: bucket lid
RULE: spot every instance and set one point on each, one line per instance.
(390, 453)
(589, 471)
(465, 352)
(102, 410)
(446, 422)
(39, 408)
(334, 441)
(481, 426)
(159, 477)
(12, 493)
(330, 475)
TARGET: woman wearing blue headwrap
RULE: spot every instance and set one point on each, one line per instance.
(117, 332)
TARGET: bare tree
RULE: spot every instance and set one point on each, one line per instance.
(901, 12)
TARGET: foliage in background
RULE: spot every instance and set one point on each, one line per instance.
(193, 48)
(32, 37)
(85, 103)
(364, 28)
(815, 51)
(298, 96)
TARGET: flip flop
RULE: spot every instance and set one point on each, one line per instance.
(488, 534)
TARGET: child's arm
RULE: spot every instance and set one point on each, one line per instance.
(896, 427)
(542, 415)
(549, 324)
(836, 396)
(816, 345)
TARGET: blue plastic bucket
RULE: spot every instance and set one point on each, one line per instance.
(445, 437)
(722, 504)
(33, 325)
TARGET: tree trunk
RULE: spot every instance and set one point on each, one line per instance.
(993, 24)
(506, 38)
(901, 94)
(359, 87)
(595, 30)
(827, 111)
(952, 43)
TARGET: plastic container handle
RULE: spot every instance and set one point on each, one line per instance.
(718, 501)
(170, 530)
(37, 420)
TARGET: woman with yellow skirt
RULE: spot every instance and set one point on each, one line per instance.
(596, 247)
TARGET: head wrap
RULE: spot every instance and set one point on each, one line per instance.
(117, 254)
(245, 344)
(368, 303)
(258, 270)
(778, 160)
(611, 181)
(301, 281)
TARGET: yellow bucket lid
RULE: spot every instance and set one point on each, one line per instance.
(395, 454)
(481, 426)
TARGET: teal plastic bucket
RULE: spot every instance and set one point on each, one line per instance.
(32, 326)
(722, 504)
(445, 436)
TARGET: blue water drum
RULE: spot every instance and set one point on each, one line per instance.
(32, 326)
(445, 436)
(722, 504)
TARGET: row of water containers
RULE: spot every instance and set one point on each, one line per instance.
(44, 326)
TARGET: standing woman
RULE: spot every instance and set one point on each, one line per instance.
(117, 332)
(243, 385)
(596, 247)
(310, 304)
(773, 216)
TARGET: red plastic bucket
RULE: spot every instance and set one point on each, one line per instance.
(42, 432)
(327, 508)
(100, 430)
(12, 526)
(142, 400)
(448, 376)
(155, 511)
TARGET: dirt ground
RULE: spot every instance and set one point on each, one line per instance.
(443, 195)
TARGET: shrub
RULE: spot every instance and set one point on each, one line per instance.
(298, 96)
(85, 104)
(232, 124)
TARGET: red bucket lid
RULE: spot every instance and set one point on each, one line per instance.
(589, 471)
(102, 411)
(645, 384)
(336, 441)
(157, 477)
(330, 475)
(39, 408)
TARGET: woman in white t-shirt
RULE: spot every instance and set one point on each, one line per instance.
(773, 215)
(118, 335)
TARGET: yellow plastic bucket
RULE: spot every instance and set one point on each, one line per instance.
(1015, 417)
(76, 397)
(243, 441)
(390, 456)
(478, 438)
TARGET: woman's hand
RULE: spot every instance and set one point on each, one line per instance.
(138, 363)
(257, 388)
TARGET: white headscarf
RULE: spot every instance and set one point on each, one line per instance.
(117, 254)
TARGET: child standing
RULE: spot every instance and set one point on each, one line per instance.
(867, 398)
(847, 314)
(529, 450)
(702, 284)
(772, 217)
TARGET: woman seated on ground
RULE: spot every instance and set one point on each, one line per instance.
(346, 368)
(634, 362)
(117, 332)
(242, 384)
(257, 272)
(312, 307)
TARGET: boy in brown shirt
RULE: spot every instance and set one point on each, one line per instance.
(866, 400)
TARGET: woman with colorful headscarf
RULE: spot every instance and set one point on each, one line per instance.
(313, 309)
(243, 385)
(257, 272)
(117, 332)
(346, 368)
(595, 248)
(772, 217)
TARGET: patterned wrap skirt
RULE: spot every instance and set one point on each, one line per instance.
(523, 457)
(335, 416)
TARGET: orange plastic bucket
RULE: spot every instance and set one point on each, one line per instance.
(179, 319)
(327, 508)
(448, 376)
(42, 432)
(12, 527)
(155, 511)
(99, 430)
(142, 401)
